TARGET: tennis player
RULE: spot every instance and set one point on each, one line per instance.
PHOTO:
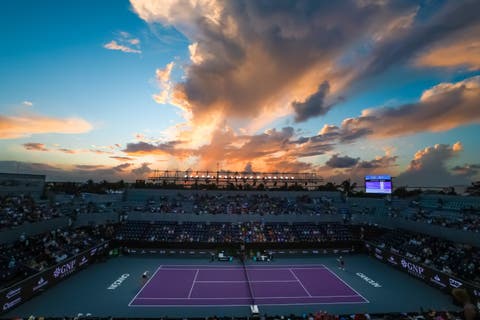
(145, 276)
(341, 263)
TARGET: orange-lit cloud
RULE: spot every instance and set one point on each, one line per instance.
(463, 50)
(165, 84)
(12, 127)
(443, 107)
(252, 62)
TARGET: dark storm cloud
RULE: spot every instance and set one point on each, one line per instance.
(313, 106)
(337, 161)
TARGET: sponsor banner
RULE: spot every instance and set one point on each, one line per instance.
(65, 269)
(438, 280)
(40, 284)
(429, 275)
(392, 260)
(413, 268)
(454, 283)
(10, 304)
(26, 289)
(14, 292)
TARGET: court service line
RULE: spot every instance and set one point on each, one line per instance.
(256, 298)
(193, 284)
(243, 281)
(194, 266)
(148, 281)
(248, 268)
(347, 284)
(295, 276)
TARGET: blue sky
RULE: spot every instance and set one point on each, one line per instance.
(249, 82)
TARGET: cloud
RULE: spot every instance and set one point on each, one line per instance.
(125, 43)
(143, 148)
(261, 150)
(341, 162)
(461, 50)
(252, 58)
(165, 84)
(113, 45)
(100, 151)
(121, 158)
(313, 106)
(89, 166)
(448, 22)
(27, 103)
(429, 167)
(440, 108)
(468, 170)
(12, 127)
(35, 146)
(68, 151)
(75, 172)
(122, 166)
(143, 170)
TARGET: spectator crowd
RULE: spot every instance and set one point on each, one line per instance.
(457, 259)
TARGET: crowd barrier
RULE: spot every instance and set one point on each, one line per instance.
(24, 290)
(430, 276)
(207, 253)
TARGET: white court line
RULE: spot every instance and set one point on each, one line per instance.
(286, 268)
(295, 276)
(240, 298)
(242, 281)
(213, 266)
(193, 284)
(150, 279)
(347, 284)
(240, 305)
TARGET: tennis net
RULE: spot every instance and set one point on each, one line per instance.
(248, 281)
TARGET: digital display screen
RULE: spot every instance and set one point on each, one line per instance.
(378, 184)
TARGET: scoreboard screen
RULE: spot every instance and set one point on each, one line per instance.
(378, 184)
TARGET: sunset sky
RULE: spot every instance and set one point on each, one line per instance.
(115, 89)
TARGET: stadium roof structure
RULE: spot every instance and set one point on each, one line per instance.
(225, 177)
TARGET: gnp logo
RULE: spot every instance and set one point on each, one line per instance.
(392, 260)
(41, 283)
(454, 283)
(438, 281)
(12, 293)
(64, 270)
(413, 269)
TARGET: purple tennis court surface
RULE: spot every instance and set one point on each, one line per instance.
(207, 285)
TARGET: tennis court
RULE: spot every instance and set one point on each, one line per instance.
(209, 285)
